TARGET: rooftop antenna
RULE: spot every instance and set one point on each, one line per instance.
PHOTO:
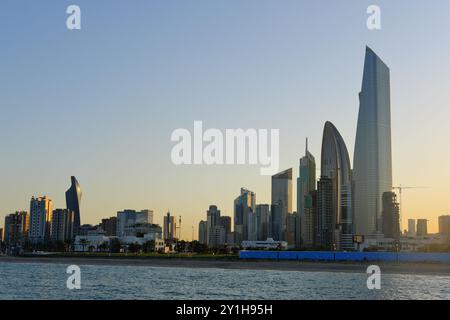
(306, 151)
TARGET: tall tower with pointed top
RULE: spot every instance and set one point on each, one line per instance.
(73, 199)
(306, 185)
(372, 163)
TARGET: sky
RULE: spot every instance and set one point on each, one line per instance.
(101, 103)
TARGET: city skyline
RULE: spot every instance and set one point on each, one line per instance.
(122, 141)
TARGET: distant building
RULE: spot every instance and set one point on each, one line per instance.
(411, 227)
(282, 198)
(308, 221)
(140, 230)
(390, 216)
(263, 221)
(170, 227)
(225, 221)
(109, 225)
(90, 243)
(306, 186)
(243, 205)
(62, 224)
(217, 236)
(372, 158)
(444, 225)
(40, 219)
(268, 244)
(202, 234)
(129, 217)
(336, 218)
(73, 199)
(324, 234)
(277, 215)
(252, 226)
(422, 227)
(212, 220)
(291, 220)
(86, 229)
(16, 228)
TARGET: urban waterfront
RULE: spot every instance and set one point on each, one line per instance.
(48, 281)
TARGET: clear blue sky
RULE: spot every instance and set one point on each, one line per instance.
(100, 103)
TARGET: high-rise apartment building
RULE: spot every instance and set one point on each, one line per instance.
(391, 216)
(62, 224)
(16, 228)
(40, 219)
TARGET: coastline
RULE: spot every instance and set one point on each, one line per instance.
(439, 269)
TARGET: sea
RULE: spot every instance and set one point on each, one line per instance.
(49, 281)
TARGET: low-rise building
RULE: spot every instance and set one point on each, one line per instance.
(268, 244)
(89, 243)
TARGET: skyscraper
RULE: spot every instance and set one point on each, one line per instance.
(263, 221)
(324, 232)
(308, 221)
(391, 216)
(282, 188)
(306, 185)
(170, 227)
(202, 234)
(372, 165)
(243, 205)
(335, 165)
(281, 202)
(277, 215)
(40, 219)
(73, 199)
(212, 220)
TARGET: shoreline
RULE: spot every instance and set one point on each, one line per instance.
(440, 269)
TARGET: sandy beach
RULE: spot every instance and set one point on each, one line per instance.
(442, 269)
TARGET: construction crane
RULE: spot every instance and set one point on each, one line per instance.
(400, 188)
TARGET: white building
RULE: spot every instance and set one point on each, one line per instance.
(268, 244)
(89, 243)
(405, 244)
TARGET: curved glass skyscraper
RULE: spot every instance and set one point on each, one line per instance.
(372, 163)
(335, 220)
(73, 199)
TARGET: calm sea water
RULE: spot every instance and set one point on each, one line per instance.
(48, 281)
